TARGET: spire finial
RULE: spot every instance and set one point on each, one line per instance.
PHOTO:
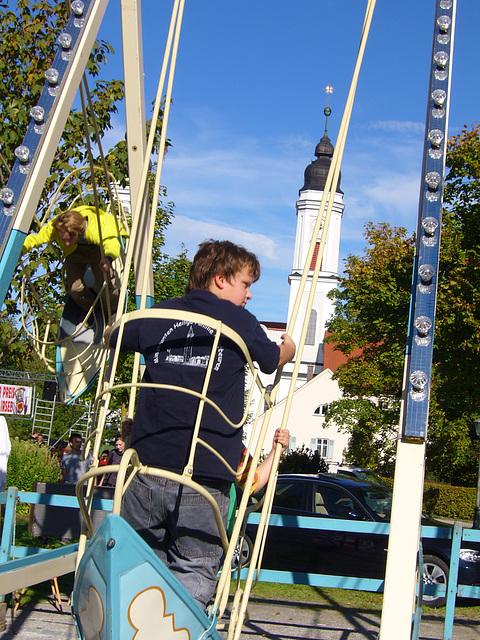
(327, 111)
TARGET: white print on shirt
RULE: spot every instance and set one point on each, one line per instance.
(187, 358)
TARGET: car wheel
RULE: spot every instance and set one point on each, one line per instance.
(435, 571)
(242, 554)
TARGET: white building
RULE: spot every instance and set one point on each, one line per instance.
(315, 388)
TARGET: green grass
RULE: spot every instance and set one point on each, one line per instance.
(318, 595)
(349, 599)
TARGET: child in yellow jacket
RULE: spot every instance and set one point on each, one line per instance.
(78, 234)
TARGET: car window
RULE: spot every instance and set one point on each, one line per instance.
(334, 503)
(371, 476)
(346, 473)
(380, 501)
(289, 495)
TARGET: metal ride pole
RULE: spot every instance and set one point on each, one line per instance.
(476, 513)
(405, 523)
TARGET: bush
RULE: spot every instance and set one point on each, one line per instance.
(449, 502)
(29, 463)
(302, 460)
(446, 501)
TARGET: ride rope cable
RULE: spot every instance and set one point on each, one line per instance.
(323, 215)
(111, 197)
(170, 55)
(176, 20)
(96, 200)
(175, 24)
(108, 375)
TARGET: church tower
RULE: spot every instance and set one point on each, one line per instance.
(315, 388)
(307, 207)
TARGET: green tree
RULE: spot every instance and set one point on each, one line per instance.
(27, 47)
(453, 445)
(302, 460)
(29, 463)
(29, 40)
(370, 327)
(371, 313)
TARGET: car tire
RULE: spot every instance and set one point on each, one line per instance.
(244, 555)
(435, 571)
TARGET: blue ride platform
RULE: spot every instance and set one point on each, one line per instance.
(124, 591)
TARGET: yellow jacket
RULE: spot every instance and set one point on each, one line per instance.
(110, 241)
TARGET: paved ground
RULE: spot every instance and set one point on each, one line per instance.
(273, 620)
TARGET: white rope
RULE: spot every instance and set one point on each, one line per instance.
(325, 210)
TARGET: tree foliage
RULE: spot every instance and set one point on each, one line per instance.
(371, 313)
(302, 460)
(27, 47)
(28, 463)
(370, 327)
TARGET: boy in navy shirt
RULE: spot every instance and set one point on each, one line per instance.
(176, 521)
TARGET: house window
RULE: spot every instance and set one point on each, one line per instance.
(312, 324)
(324, 446)
(292, 445)
(321, 410)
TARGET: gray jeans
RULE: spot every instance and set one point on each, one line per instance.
(178, 524)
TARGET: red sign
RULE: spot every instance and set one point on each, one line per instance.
(15, 400)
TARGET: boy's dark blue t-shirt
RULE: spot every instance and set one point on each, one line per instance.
(176, 353)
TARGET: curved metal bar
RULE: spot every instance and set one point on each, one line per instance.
(131, 464)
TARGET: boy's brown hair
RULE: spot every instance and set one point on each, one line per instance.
(71, 221)
(220, 257)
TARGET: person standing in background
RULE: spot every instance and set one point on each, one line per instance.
(5, 448)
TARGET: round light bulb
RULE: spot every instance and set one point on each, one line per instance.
(6, 194)
(443, 38)
(430, 225)
(433, 180)
(419, 380)
(78, 7)
(423, 324)
(37, 113)
(65, 40)
(436, 137)
(439, 96)
(441, 58)
(426, 273)
(22, 152)
(51, 75)
(444, 22)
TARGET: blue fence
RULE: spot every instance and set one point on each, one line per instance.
(451, 591)
(13, 556)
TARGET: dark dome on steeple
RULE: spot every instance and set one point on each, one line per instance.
(317, 171)
(324, 147)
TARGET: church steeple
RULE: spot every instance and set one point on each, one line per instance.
(317, 171)
(308, 204)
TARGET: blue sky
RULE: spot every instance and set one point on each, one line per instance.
(248, 100)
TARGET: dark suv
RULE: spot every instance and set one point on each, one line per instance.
(327, 496)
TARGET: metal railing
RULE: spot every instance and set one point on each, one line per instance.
(23, 566)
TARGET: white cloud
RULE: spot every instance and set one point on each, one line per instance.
(243, 188)
(191, 232)
(399, 126)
